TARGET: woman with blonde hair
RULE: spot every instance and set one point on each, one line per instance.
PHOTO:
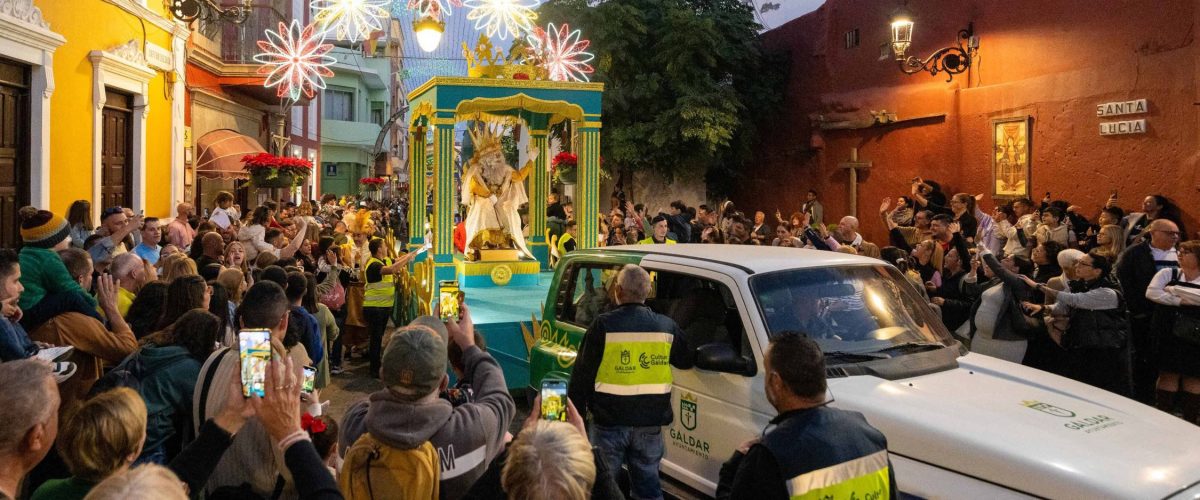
(235, 257)
(234, 281)
(178, 265)
(551, 461)
(146, 482)
(1110, 241)
(103, 436)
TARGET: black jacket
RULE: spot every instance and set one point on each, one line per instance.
(624, 411)
(1012, 323)
(1135, 268)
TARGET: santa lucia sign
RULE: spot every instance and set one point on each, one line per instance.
(1121, 108)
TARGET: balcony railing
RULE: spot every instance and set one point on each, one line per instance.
(237, 43)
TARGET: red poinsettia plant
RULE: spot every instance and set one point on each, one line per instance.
(373, 181)
(280, 164)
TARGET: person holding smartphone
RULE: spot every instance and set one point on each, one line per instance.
(408, 412)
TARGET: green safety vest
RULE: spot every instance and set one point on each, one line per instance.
(650, 241)
(635, 363)
(864, 477)
(562, 243)
(381, 293)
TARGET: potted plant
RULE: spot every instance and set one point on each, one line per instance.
(271, 171)
(563, 168)
(372, 183)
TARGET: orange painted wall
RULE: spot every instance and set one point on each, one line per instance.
(1054, 61)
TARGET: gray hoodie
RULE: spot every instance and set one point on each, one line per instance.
(467, 438)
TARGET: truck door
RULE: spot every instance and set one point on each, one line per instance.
(715, 411)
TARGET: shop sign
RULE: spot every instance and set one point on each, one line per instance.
(158, 57)
(1123, 127)
(1122, 108)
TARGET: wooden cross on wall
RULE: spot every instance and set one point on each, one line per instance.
(853, 165)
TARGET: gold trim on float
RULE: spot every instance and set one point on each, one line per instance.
(462, 81)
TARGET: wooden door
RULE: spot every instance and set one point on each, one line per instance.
(14, 149)
(116, 169)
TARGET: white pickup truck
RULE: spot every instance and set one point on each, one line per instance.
(958, 424)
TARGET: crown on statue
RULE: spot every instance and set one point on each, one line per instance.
(486, 134)
(486, 61)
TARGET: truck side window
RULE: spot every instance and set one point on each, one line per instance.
(703, 309)
(584, 293)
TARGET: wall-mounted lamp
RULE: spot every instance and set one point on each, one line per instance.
(190, 10)
(950, 60)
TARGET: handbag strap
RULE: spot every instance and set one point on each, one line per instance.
(1176, 279)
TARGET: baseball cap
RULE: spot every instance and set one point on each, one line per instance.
(414, 362)
(433, 324)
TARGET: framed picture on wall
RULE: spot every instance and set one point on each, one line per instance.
(1011, 148)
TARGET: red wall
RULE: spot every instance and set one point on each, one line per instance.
(1051, 60)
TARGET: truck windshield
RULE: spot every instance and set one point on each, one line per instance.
(854, 311)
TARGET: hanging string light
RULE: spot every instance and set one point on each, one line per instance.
(295, 60)
(503, 17)
(349, 19)
(562, 52)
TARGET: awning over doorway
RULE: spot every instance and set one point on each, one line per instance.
(219, 154)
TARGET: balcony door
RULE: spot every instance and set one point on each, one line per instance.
(116, 165)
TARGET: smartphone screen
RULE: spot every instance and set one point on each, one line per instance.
(254, 348)
(450, 300)
(554, 399)
(310, 380)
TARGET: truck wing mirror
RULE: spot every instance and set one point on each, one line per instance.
(720, 357)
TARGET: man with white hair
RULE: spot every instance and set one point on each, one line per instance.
(847, 232)
(130, 272)
(623, 375)
(30, 402)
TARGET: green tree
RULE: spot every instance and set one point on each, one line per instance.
(685, 82)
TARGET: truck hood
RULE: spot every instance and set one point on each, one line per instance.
(1029, 430)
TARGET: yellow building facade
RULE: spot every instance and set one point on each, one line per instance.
(104, 99)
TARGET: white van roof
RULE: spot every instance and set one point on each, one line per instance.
(751, 258)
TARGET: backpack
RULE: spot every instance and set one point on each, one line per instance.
(373, 470)
(129, 373)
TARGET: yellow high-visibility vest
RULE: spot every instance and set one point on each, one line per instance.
(562, 243)
(635, 363)
(650, 241)
(383, 292)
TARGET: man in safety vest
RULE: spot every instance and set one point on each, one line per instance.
(379, 295)
(813, 451)
(567, 242)
(658, 228)
(623, 375)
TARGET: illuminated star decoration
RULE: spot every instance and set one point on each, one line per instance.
(503, 17)
(433, 8)
(350, 19)
(295, 60)
(562, 53)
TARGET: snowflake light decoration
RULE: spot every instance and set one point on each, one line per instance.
(295, 60)
(433, 8)
(503, 17)
(562, 53)
(350, 19)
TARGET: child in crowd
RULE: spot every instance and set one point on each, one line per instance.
(323, 431)
(50, 289)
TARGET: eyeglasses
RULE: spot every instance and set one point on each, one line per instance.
(1084, 263)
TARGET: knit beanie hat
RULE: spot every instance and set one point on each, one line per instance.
(414, 362)
(44, 229)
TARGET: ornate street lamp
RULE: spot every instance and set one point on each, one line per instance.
(951, 60)
(190, 10)
(429, 32)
